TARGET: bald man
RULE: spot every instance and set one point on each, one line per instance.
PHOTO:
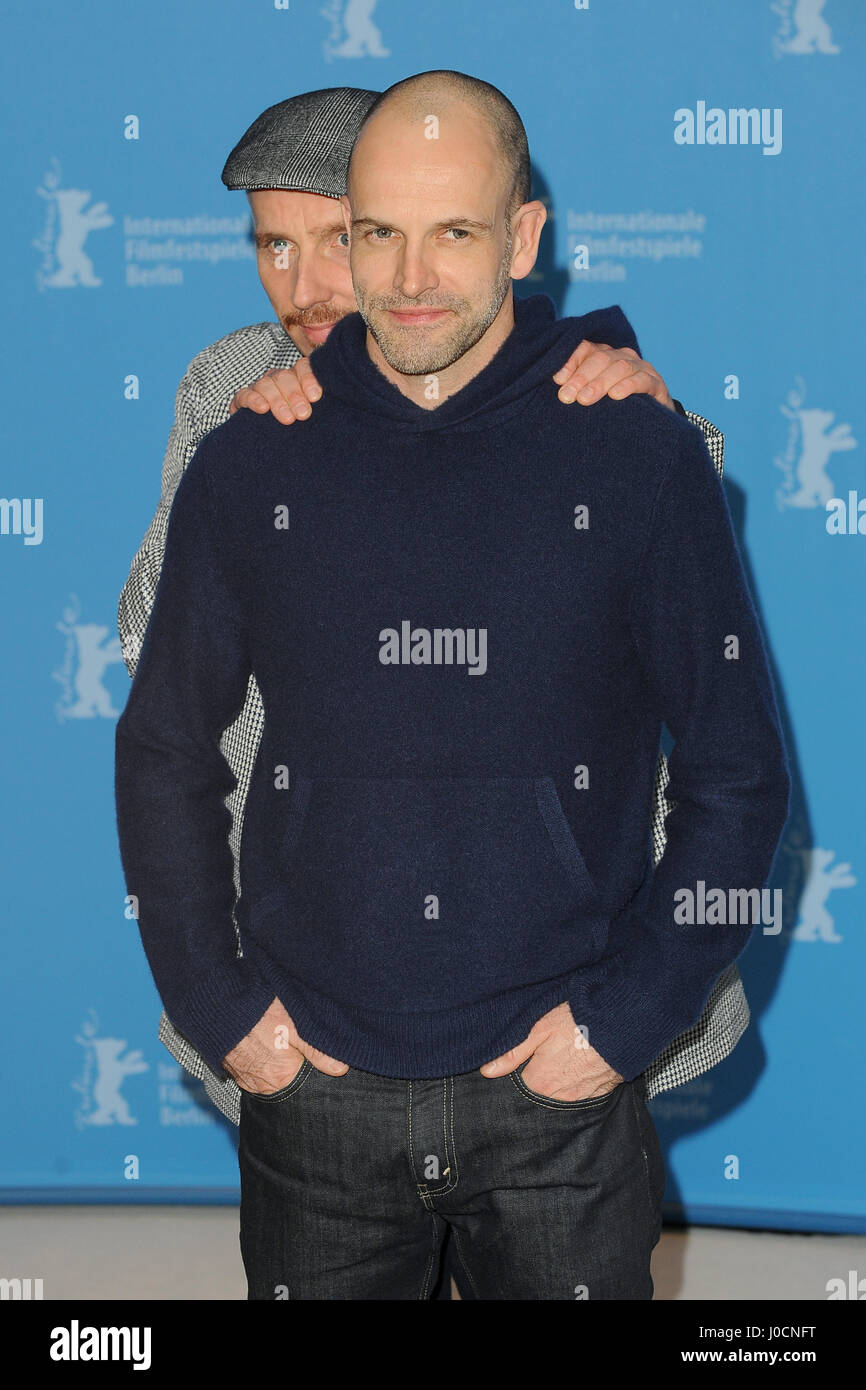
(291, 164)
(468, 609)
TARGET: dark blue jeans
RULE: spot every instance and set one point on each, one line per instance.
(350, 1185)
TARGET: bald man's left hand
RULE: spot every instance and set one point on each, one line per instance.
(593, 370)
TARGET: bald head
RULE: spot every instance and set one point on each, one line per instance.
(440, 224)
(424, 102)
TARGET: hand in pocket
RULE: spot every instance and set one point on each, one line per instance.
(561, 1065)
(270, 1056)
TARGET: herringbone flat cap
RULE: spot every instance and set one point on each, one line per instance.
(303, 143)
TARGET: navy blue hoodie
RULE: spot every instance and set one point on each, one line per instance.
(467, 625)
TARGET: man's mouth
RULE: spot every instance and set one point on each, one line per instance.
(317, 333)
(410, 317)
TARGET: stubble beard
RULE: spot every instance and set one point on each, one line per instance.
(406, 349)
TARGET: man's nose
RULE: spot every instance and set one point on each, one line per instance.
(415, 274)
(313, 284)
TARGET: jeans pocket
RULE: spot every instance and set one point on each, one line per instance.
(297, 1081)
(551, 1103)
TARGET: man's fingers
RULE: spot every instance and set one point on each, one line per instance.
(618, 378)
(509, 1061)
(600, 361)
(286, 392)
(279, 392)
(283, 389)
(307, 377)
(249, 399)
(322, 1062)
(646, 381)
(580, 354)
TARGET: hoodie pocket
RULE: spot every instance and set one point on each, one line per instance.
(411, 890)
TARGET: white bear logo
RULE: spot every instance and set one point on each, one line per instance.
(804, 463)
(362, 38)
(89, 652)
(815, 922)
(77, 221)
(811, 32)
(112, 1065)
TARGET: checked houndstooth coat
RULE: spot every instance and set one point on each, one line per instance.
(202, 403)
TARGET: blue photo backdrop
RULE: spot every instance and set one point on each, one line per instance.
(703, 169)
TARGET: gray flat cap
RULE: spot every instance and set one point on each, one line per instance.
(303, 143)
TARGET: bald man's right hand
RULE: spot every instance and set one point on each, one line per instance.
(270, 1056)
(286, 392)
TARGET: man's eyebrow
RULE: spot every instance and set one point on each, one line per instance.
(437, 226)
(262, 238)
(332, 227)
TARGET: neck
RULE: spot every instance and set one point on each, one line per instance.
(450, 379)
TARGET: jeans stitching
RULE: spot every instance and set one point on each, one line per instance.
(425, 1191)
(462, 1258)
(412, 1168)
(654, 1214)
(428, 1273)
(450, 1152)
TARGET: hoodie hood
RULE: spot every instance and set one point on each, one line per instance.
(537, 346)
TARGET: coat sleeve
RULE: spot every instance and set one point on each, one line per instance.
(171, 780)
(696, 635)
(713, 438)
(137, 595)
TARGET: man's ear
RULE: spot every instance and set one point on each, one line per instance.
(347, 213)
(526, 225)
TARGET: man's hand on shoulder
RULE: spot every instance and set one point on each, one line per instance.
(595, 369)
(561, 1065)
(270, 1056)
(287, 392)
